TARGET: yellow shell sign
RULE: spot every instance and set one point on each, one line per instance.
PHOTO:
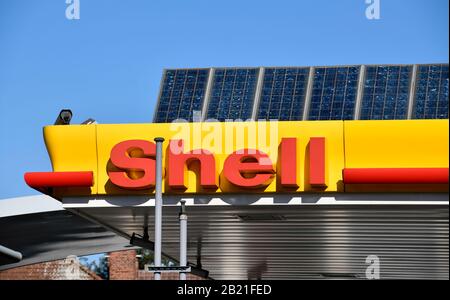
(247, 157)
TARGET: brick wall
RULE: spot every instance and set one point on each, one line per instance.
(53, 270)
(141, 275)
(123, 265)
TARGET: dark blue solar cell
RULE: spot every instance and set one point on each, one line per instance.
(234, 95)
(278, 87)
(431, 93)
(386, 89)
(334, 93)
(182, 93)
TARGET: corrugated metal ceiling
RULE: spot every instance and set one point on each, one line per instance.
(301, 241)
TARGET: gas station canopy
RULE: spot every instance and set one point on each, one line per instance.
(269, 200)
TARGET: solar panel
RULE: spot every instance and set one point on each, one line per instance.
(431, 97)
(334, 93)
(283, 94)
(386, 92)
(182, 93)
(232, 94)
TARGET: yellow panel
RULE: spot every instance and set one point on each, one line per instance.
(72, 148)
(396, 144)
(229, 137)
(368, 144)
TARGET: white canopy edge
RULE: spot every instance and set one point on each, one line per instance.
(260, 199)
(28, 205)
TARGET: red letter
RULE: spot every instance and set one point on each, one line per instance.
(121, 157)
(179, 161)
(288, 162)
(248, 170)
(317, 161)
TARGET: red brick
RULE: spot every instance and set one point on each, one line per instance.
(48, 270)
(123, 265)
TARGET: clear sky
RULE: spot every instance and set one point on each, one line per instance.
(108, 64)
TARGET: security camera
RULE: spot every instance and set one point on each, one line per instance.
(64, 117)
(89, 122)
(198, 271)
(143, 242)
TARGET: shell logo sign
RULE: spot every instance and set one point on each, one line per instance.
(244, 168)
(247, 157)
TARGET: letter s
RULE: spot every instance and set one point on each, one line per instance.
(122, 158)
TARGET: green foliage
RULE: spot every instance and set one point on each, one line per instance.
(145, 257)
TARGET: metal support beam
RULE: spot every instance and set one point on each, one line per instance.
(158, 205)
(10, 254)
(258, 90)
(360, 92)
(183, 238)
(412, 92)
(207, 93)
(308, 94)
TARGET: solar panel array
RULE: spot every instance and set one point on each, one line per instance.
(372, 92)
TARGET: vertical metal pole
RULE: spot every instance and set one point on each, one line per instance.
(258, 91)
(183, 239)
(412, 93)
(308, 94)
(360, 92)
(207, 93)
(158, 205)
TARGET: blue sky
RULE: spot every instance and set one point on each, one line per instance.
(108, 64)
